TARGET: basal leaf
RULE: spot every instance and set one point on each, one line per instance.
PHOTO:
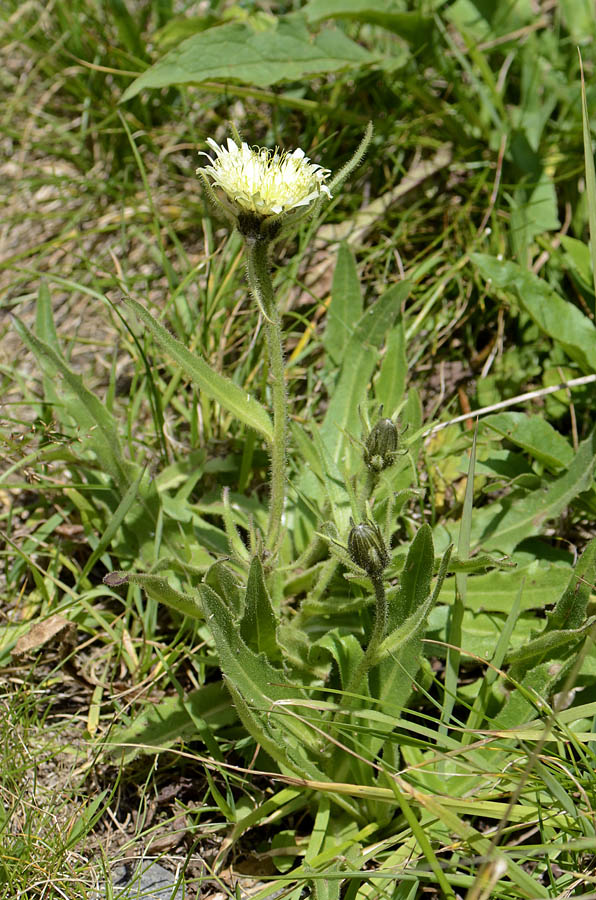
(558, 318)
(534, 435)
(413, 26)
(159, 589)
(163, 724)
(514, 521)
(258, 626)
(570, 610)
(286, 51)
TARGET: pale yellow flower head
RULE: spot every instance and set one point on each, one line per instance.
(265, 182)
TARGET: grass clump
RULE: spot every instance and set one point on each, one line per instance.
(235, 635)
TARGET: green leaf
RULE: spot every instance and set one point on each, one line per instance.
(98, 428)
(390, 385)
(360, 357)
(259, 691)
(159, 589)
(219, 388)
(400, 653)
(412, 26)
(344, 649)
(165, 723)
(570, 610)
(345, 307)
(514, 520)
(496, 591)
(415, 580)
(558, 318)
(534, 435)
(258, 626)
(287, 51)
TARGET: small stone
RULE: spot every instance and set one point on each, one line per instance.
(148, 881)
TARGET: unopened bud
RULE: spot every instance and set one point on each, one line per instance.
(367, 548)
(381, 445)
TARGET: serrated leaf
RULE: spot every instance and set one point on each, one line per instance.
(219, 388)
(235, 52)
(258, 626)
(558, 318)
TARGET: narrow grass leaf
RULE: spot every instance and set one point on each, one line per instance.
(219, 388)
(456, 612)
(96, 423)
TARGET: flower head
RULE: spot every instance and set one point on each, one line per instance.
(367, 548)
(263, 183)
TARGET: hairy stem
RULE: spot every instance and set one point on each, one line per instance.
(259, 278)
(376, 638)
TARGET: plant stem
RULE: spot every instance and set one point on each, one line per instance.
(378, 633)
(259, 278)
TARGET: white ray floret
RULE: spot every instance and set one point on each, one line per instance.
(262, 181)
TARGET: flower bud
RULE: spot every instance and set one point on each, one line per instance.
(381, 445)
(367, 548)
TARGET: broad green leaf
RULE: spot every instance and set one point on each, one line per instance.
(570, 610)
(346, 305)
(360, 357)
(163, 724)
(558, 318)
(496, 591)
(515, 520)
(219, 388)
(159, 589)
(413, 26)
(534, 435)
(255, 684)
(226, 584)
(258, 626)
(344, 649)
(286, 51)
(533, 216)
(546, 644)
(415, 580)
(97, 426)
(540, 680)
